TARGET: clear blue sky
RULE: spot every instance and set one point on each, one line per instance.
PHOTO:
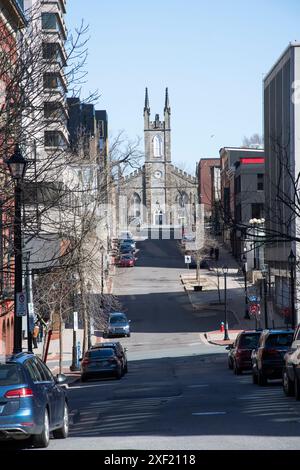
(210, 54)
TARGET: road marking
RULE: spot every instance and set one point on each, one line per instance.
(209, 413)
(197, 386)
(88, 386)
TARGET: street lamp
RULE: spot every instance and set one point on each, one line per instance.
(256, 223)
(292, 265)
(102, 251)
(75, 365)
(89, 289)
(225, 272)
(17, 167)
(244, 260)
(264, 273)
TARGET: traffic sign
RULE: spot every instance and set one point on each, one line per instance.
(21, 309)
(187, 259)
(254, 309)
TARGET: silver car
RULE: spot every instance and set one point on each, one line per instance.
(118, 325)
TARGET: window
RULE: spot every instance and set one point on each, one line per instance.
(157, 146)
(52, 139)
(50, 80)
(44, 371)
(257, 211)
(260, 182)
(33, 371)
(10, 374)
(50, 51)
(49, 21)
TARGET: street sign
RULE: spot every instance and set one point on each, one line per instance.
(254, 309)
(187, 259)
(21, 309)
(253, 298)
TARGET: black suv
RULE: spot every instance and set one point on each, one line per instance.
(291, 369)
(119, 351)
(268, 358)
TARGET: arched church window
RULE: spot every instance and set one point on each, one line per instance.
(157, 146)
(135, 204)
(182, 199)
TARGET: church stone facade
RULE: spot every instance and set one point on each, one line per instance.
(158, 193)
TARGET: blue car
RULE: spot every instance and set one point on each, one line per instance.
(32, 402)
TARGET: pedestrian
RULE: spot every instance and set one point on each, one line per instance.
(35, 334)
(217, 254)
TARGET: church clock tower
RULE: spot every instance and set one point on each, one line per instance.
(157, 159)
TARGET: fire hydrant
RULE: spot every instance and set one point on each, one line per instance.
(222, 327)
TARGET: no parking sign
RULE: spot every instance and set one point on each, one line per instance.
(21, 310)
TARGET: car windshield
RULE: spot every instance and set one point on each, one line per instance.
(249, 341)
(127, 257)
(281, 339)
(11, 374)
(118, 319)
(99, 353)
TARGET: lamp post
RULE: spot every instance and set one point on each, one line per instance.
(74, 366)
(102, 251)
(17, 167)
(89, 289)
(256, 223)
(292, 266)
(244, 260)
(264, 273)
(225, 272)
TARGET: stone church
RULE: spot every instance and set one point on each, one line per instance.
(158, 193)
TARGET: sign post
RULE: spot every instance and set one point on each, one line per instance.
(21, 310)
(188, 260)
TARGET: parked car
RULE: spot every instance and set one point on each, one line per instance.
(119, 351)
(126, 249)
(127, 261)
(129, 242)
(32, 402)
(118, 324)
(239, 355)
(99, 362)
(291, 369)
(268, 358)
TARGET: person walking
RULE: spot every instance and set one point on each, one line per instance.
(35, 335)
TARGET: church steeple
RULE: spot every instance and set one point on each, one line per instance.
(167, 109)
(146, 110)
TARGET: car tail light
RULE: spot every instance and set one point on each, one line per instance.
(19, 393)
(85, 362)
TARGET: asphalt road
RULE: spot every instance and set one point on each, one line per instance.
(178, 393)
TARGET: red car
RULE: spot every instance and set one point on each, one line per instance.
(239, 356)
(127, 261)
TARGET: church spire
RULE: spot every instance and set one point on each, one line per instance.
(147, 107)
(146, 110)
(167, 103)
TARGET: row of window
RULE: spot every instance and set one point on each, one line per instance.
(259, 183)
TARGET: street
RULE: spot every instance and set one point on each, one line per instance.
(178, 393)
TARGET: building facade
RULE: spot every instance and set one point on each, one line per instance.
(158, 193)
(282, 147)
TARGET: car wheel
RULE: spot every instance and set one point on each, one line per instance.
(119, 374)
(261, 380)
(128, 335)
(297, 388)
(288, 385)
(42, 440)
(254, 378)
(62, 433)
(230, 365)
(83, 378)
(126, 368)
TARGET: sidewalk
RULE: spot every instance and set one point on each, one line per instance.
(210, 299)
